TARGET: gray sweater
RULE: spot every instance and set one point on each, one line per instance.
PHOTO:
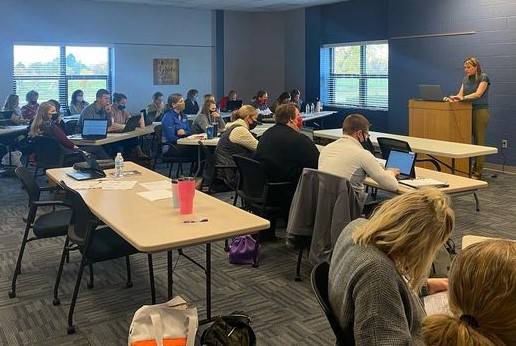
(371, 300)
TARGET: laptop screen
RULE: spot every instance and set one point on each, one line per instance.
(94, 127)
(402, 160)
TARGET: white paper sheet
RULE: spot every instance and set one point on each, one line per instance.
(157, 185)
(437, 304)
(118, 184)
(155, 195)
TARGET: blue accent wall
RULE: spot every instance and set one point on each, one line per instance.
(435, 60)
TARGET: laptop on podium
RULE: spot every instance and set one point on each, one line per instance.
(430, 92)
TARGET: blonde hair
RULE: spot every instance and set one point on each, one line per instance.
(40, 118)
(476, 64)
(244, 112)
(410, 229)
(482, 298)
(11, 101)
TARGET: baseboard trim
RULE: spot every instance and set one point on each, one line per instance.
(500, 168)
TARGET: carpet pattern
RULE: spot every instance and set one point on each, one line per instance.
(283, 312)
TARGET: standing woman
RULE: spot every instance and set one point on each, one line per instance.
(77, 103)
(475, 89)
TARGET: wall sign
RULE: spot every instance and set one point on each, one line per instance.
(166, 71)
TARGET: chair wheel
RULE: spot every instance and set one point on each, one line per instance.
(12, 294)
(297, 278)
(56, 302)
(129, 284)
(90, 285)
(70, 330)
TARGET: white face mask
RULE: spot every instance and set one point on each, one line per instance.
(79, 98)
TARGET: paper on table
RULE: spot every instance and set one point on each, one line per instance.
(85, 185)
(422, 182)
(154, 195)
(437, 304)
(118, 184)
(157, 185)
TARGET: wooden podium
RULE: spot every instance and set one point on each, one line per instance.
(443, 121)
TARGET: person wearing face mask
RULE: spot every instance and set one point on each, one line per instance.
(208, 116)
(232, 96)
(77, 103)
(12, 104)
(283, 99)
(191, 105)
(157, 106)
(29, 110)
(175, 125)
(120, 117)
(100, 109)
(347, 158)
(237, 139)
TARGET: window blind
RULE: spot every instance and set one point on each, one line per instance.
(55, 72)
(355, 75)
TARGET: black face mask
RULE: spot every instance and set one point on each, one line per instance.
(121, 107)
(32, 102)
(253, 125)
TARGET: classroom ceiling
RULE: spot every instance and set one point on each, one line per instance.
(234, 5)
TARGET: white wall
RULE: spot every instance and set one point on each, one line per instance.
(264, 51)
(138, 33)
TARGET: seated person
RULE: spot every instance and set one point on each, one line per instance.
(12, 104)
(77, 103)
(191, 105)
(295, 94)
(348, 159)
(157, 106)
(208, 116)
(260, 102)
(120, 117)
(175, 125)
(283, 99)
(482, 298)
(284, 150)
(208, 97)
(378, 266)
(46, 123)
(61, 122)
(236, 140)
(30, 109)
(100, 109)
(223, 104)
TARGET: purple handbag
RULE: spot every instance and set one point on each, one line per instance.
(244, 250)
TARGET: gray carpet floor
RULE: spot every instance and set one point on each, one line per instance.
(284, 312)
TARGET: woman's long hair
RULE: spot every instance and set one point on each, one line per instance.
(476, 64)
(41, 118)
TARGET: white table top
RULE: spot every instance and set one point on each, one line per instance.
(194, 139)
(114, 136)
(10, 129)
(423, 145)
(316, 115)
(156, 226)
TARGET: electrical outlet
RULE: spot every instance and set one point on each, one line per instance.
(505, 144)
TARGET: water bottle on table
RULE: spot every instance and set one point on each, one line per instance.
(119, 165)
(307, 109)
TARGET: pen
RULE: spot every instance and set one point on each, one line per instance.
(194, 221)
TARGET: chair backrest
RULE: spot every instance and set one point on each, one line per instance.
(206, 168)
(387, 144)
(319, 280)
(252, 180)
(71, 127)
(49, 153)
(82, 218)
(29, 183)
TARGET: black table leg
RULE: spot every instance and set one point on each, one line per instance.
(208, 281)
(170, 274)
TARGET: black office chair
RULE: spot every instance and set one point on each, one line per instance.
(71, 127)
(388, 144)
(207, 169)
(157, 155)
(96, 244)
(49, 153)
(255, 190)
(48, 225)
(319, 280)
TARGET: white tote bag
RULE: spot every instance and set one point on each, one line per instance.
(173, 323)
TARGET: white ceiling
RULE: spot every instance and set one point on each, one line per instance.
(234, 5)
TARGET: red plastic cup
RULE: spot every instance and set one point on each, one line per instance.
(186, 191)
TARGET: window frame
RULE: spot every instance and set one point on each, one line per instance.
(362, 77)
(63, 78)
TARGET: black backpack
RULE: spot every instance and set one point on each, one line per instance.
(229, 330)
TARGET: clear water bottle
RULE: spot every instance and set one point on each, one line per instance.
(307, 109)
(318, 106)
(119, 165)
(312, 108)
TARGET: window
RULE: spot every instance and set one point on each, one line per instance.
(355, 75)
(56, 71)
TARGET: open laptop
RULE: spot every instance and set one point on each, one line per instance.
(5, 115)
(430, 92)
(148, 117)
(233, 105)
(404, 161)
(132, 123)
(93, 129)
